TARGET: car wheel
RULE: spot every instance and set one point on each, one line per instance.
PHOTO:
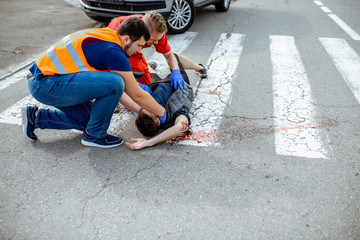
(222, 6)
(181, 17)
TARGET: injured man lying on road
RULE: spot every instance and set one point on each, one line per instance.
(177, 104)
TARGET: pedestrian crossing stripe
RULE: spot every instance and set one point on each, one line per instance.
(293, 103)
(213, 95)
(346, 60)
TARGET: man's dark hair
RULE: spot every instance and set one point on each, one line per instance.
(146, 125)
(134, 27)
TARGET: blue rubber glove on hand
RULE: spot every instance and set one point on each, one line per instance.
(176, 79)
(163, 118)
(145, 88)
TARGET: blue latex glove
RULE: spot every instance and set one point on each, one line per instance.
(176, 79)
(163, 118)
(145, 88)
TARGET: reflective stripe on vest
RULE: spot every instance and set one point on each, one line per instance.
(74, 55)
(67, 56)
(56, 61)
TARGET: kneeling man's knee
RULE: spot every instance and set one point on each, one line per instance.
(118, 84)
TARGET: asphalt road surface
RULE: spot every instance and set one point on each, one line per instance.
(273, 151)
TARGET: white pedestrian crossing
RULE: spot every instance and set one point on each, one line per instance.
(295, 114)
(213, 93)
(12, 115)
(293, 103)
(346, 60)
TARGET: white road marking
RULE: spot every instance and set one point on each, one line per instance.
(9, 77)
(345, 27)
(325, 9)
(12, 115)
(293, 104)
(14, 78)
(213, 93)
(338, 21)
(119, 121)
(346, 60)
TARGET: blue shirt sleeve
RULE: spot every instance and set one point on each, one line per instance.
(103, 55)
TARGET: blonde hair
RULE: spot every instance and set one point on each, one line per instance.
(155, 21)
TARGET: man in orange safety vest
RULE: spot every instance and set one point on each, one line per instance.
(84, 76)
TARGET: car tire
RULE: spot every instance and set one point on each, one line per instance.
(181, 17)
(222, 6)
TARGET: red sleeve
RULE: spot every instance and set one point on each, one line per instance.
(163, 46)
(114, 23)
(117, 21)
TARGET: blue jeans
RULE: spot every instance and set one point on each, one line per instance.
(84, 100)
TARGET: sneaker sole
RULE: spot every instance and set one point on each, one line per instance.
(90, 144)
(25, 123)
(201, 75)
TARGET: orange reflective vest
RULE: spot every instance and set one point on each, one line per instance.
(67, 56)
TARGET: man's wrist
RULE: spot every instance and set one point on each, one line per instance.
(163, 118)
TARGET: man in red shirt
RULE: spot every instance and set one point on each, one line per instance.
(157, 26)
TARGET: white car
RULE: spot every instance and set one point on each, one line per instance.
(179, 14)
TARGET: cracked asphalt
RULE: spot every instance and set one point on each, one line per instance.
(56, 188)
